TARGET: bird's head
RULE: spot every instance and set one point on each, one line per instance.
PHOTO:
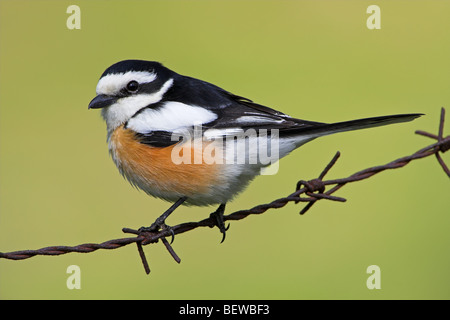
(128, 86)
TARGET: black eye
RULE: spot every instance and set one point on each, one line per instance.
(132, 86)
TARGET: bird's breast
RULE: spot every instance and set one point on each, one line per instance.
(162, 172)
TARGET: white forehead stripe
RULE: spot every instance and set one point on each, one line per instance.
(170, 117)
(113, 83)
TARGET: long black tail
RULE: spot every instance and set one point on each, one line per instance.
(326, 129)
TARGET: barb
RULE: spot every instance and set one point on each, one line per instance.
(314, 189)
(444, 144)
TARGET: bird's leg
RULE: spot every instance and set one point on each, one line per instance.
(218, 216)
(160, 221)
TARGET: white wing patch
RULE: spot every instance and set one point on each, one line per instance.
(170, 117)
(111, 84)
(213, 134)
(257, 119)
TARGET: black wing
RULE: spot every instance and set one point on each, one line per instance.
(160, 139)
(245, 114)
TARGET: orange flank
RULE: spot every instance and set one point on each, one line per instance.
(152, 168)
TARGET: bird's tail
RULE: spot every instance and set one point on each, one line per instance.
(322, 129)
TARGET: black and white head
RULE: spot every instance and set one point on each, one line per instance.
(129, 86)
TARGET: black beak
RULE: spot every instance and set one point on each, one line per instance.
(101, 101)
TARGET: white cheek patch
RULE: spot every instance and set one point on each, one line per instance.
(121, 111)
(111, 84)
(170, 117)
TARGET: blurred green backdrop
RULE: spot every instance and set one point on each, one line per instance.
(314, 60)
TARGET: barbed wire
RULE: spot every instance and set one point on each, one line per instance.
(314, 190)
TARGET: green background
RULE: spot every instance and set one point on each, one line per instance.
(314, 60)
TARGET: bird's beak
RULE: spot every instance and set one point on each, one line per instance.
(101, 101)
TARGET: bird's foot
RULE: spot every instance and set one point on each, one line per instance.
(219, 220)
(160, 223)
(157, 226)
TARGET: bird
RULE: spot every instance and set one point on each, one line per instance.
(160, 123)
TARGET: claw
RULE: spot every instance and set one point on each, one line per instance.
(223, 232)
(218, 216)
(171, 232)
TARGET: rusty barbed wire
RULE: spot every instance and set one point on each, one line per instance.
(314, 190)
